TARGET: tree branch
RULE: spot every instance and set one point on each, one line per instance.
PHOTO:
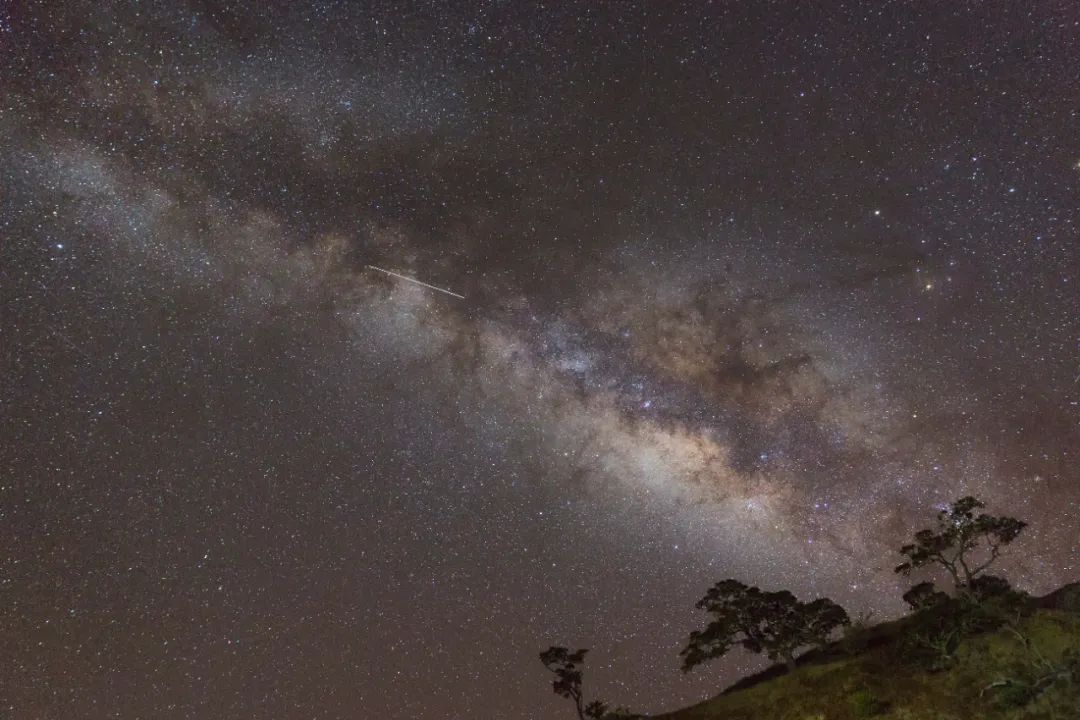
(995, 550)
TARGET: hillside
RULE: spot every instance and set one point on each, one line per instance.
(871, 674)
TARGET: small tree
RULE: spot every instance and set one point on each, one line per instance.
(963, 543)
(775, 623)
(566, 666)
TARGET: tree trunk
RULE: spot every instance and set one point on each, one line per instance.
(957, 582)
(789, 662)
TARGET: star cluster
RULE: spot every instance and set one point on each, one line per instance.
(750, 290)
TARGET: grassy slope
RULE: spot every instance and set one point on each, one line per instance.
(829, 688)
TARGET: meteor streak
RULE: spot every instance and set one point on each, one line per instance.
(417, 282)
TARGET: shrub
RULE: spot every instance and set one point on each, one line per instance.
(923, 596)
(1014, 695)
(856, 637)
(1069, 599)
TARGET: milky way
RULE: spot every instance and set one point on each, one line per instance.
(745, 291)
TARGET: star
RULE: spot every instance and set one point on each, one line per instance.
(368, 337)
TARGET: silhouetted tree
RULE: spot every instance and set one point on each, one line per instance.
(923, 595)
(963, 543)
(775, 623)
(566, 666)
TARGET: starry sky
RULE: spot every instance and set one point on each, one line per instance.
(749, 290)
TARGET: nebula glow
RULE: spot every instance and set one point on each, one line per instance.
(722, 292)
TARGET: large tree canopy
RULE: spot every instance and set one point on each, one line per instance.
(775, 623)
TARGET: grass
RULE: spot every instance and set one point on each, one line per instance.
(871, 679)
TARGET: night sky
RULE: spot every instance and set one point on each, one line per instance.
(750, 290)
